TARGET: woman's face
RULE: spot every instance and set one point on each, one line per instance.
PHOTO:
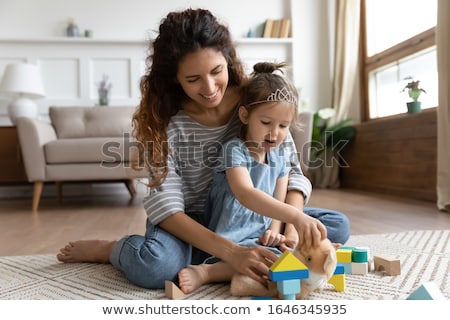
(203, 75)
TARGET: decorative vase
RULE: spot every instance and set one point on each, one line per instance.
(103, 100)
(72, 29)
(414, 106)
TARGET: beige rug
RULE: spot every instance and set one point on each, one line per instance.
(424, 257)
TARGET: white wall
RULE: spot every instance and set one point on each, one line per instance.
(123, 18)
(136, 19)
(315, 32)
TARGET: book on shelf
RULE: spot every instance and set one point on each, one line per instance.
(277, 28)
(268, 28)
(285, 29)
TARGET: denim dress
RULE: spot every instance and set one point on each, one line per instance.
(227, 216)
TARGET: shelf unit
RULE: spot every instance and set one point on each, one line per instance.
(71, 66)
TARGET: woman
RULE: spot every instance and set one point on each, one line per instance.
(188, 109)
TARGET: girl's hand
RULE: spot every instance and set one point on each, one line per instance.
(310, 231)
(272, 238)
(291, 241)
(253, 262)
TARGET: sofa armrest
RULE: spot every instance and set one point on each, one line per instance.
(33, 135)
(302, 138)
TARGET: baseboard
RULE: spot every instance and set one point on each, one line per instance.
(25, 191)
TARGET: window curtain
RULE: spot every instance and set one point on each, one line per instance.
(345, 74)
(346, 56)
(443, 111)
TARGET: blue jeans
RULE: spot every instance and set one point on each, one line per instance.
(147, 261)
(337, 224)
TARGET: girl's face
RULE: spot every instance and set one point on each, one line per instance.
(203, 75)
(267, 124)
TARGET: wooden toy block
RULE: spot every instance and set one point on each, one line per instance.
(427, 291)
(338, 281)
(346, 248)
(360, 255)
(288, 275)
(286, 272)
(288, 267)
(389, 266)
(361, 268)
(347, 268)
(339, 269)
(289, 288)
(172, 291)
(369, 261)
(344, 255)
(286, 262)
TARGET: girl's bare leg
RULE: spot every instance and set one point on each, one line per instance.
(86, 251)
(194, 276)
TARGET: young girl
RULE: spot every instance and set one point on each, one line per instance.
(252, 171)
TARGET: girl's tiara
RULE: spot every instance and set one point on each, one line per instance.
(279, 95)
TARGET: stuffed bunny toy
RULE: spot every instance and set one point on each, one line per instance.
(321, 263)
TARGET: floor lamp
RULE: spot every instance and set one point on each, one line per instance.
(23, 82)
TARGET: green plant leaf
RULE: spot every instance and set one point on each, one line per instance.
(339, 135)
(342, 124)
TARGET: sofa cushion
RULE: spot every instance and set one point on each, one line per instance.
(88, 150)
(82, 122)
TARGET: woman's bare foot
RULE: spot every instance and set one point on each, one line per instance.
(86, 251)
(192, 277)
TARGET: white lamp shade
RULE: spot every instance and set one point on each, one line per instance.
(22, 79)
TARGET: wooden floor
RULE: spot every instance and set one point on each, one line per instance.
(110, 217)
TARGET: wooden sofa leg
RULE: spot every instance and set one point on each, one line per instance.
(59, 191)
(130, 187)
(38, 185)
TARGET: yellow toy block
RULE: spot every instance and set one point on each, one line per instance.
(338, 281)
(287, 262)
(344, 255)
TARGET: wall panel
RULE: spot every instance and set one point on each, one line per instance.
(397, 156)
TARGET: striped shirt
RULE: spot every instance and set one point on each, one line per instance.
(192, 160)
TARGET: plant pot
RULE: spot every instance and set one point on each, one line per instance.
(414, 106)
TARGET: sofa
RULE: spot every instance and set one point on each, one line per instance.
(78, 144)
(95, 144)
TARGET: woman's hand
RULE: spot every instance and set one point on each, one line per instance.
(271, 238)
(253, 262)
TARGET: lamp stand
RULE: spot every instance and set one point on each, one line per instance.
(22, 107)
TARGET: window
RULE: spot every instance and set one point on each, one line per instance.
(398, 45)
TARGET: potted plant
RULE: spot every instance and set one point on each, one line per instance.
(414, 92)
(103, 87)
(326, 144)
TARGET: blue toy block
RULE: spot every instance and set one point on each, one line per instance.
(427, 291)
(289, 288)
(288, 275)
(339, 269)
(347, 268)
